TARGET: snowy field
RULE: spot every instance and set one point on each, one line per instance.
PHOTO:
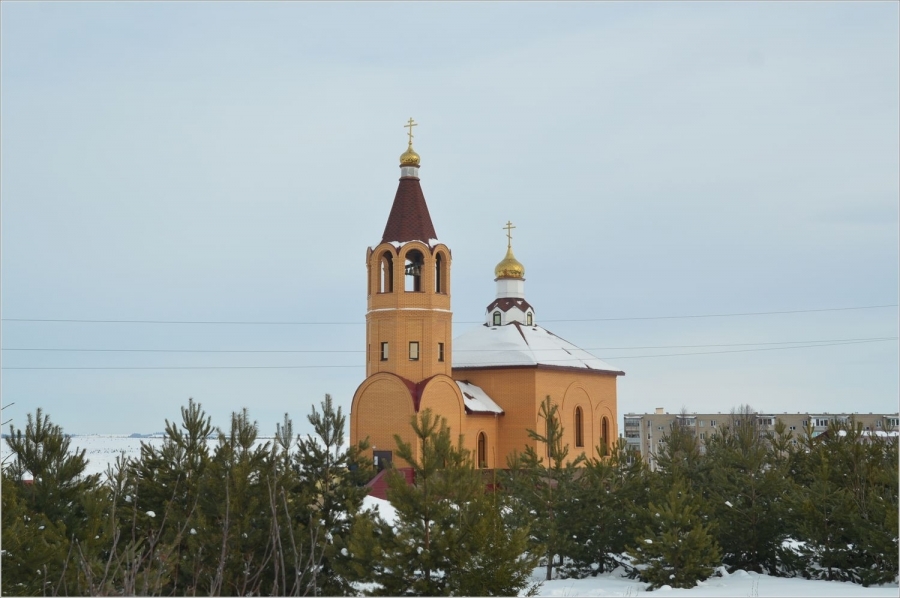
(103, 450)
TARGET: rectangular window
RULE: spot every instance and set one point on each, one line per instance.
(792, 428)
(712, 423)
(413, 350)
(496, 318)
(893, 422)
(384, 351)
(701, 423)
(765, 421)
(805, 423)
(821, 422)
(440, 351)
(702, 435)
(660, 428)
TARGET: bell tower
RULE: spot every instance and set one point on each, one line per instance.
(408, 317)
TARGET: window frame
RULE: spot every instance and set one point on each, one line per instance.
(414, 355)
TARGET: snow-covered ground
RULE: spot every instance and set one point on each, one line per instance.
(103, 450)
(739, 583)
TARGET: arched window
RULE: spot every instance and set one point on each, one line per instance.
(439, 273)
(482, 450)
(496, 318)
(529, 320)
(579, 427)
(387, 273)
(413, 270)
(604, 436)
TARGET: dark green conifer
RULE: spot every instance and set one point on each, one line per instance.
(51, 512)
(677, 548)
(449, 537)
(746, 489)
(544, 489)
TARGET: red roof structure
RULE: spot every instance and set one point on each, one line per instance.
(409, 219)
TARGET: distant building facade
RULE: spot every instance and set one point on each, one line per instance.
(643, 432)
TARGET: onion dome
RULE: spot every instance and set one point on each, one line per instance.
(510, 267)
(409, 157)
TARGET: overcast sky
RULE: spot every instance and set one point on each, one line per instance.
(233, 161)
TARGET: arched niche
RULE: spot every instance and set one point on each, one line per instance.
(386, 272)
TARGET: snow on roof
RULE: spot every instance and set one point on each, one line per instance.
(518, 345)
(477, 401)
(870, 433)
(398, 245)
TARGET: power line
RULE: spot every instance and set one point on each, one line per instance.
(860, 342)
(79, 350)
(359, 322)
(295, 367)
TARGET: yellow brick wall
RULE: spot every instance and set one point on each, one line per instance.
(442, 396)
(520, 391)
(382, 406)
(575, 395)
(569, 388)
(513, 390)
(400, 316)
(487, 424)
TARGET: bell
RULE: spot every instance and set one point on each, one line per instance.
(414, 269)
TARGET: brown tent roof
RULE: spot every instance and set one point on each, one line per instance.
(409, 219)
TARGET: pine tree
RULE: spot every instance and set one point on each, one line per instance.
(449, 537)
(544, 491)
(234, 511)
(157, 507)
(602, 517)
(334, 478)
(847, 505)
(678, 455)
(745, 490)
(678, 548)
(51, 518)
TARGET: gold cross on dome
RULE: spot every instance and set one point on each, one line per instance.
(509, 226)
(409, 126)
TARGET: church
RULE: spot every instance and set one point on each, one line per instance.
(487, 383)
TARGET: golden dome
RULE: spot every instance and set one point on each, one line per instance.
(510, 267)
(409, 157)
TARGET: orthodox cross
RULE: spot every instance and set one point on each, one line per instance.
(409, 126)
(509, 226)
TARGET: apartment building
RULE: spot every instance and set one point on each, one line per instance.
(643, 432)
